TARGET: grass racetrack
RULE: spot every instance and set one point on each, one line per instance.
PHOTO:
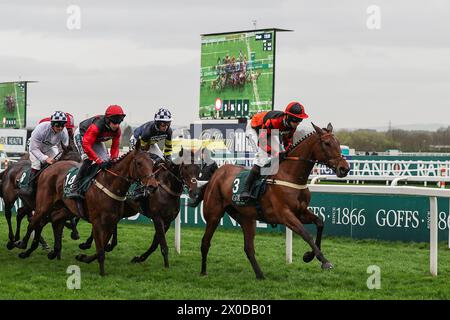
(404, 269)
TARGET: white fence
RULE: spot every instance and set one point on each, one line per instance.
(432, 193)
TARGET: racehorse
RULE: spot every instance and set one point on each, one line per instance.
(10, 194)
(103, 204)
(285, 201)
(163, 205)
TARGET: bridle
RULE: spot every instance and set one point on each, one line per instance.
(130, 179)
(182, 181)
(327, 155)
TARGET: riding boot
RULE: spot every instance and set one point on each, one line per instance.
(75, 192)
(30, 189)
(254, 174)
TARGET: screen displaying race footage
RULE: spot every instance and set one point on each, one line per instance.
(12, 104)
(237, 74)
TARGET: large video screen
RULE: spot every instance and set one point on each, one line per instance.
(237, 74)
(13, 104)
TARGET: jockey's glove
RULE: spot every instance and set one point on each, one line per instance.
(105, 165)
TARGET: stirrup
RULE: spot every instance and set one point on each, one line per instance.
(246, 195)
(75, 194)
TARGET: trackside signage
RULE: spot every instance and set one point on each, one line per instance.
(403, 218)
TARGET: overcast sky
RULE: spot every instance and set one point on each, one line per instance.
(146, 54)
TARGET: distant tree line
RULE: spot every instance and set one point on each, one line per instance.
(406, 141)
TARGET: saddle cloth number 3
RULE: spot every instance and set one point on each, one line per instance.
(236, 185)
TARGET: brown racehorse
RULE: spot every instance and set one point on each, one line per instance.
(10, 194)
(103, 204)
(282, 203)
(163, 205)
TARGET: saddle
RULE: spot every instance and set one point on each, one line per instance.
(257, 190)
(137, 191)
(24, 179)
(85, 183)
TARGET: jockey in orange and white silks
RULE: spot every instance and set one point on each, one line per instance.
(283, 125)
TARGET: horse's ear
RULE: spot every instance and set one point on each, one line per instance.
(137, 146)
(318, 130)
(330, 127)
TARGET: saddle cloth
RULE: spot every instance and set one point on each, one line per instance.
(257, 190)
(85, 183)
(24, 179)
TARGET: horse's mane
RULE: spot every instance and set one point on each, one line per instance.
(117, 160)
(292, 147)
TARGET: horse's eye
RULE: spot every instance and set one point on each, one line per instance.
(327, 144)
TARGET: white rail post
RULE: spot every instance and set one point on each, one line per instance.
(433, 236)
(288, 245)
(178, 226)
(178, 233)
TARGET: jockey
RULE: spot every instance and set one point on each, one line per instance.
(150, 133)
(70, 124)
(44, 142)
(90, 138)
(286, 122)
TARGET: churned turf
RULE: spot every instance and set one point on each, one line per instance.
(404, 269)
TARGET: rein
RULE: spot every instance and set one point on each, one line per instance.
(165, 187)
(127, 179)
(298, 186)
(315, 161)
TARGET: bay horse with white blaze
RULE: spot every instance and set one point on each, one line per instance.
(285, 201)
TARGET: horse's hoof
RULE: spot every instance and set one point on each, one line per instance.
(23, 255)
(136, 259)
(109, 248)
(308, 256)
(327, 266)
(260, 277)
(51, 255)
(10, 245)
(81, 257)
(21, 245)
(75, 236)
(203, 274)
(84, 246)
